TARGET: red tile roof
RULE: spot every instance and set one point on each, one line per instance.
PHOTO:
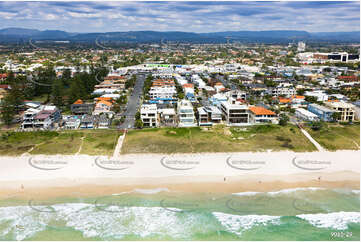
(261, 111)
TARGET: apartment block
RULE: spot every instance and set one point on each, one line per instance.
(235, 113)
(185, 113)
(346, 110)
(149, 115)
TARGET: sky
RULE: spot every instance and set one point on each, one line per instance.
(200, 17)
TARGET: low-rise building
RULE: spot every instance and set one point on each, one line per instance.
(319, 94)
(306, 115)
(102, 107)
(209, 115)
(71, 122)
(262, 115)
(88, 122)
(80, 108)
(323, 113)
(284, 89)
(43, 117)
(103, 122)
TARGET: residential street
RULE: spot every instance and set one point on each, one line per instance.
(133, 103)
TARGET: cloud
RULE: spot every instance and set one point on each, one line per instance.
(182, 16)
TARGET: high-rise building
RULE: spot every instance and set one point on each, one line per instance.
(301, 46)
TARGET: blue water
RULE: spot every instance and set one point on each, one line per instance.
(296, 214)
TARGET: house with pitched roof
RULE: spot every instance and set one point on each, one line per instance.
(262, 115)
(80, 108)
(103, 106)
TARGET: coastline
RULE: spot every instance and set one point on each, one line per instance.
(84, 175)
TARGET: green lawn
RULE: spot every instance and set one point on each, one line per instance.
(216, 139)
(337, 136)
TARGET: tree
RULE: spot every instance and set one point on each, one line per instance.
(301, 91)
(7, 113)
(317, 125)
(138, 124)
(311, 99)
(283, 119)
(57, 93)
(336, 116)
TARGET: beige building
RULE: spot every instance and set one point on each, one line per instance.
(346, 109)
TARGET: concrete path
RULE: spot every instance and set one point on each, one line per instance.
(118, 148)
(313, 141)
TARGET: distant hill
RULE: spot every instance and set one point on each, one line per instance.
(274, 36)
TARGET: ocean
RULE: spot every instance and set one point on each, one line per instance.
(160, 214)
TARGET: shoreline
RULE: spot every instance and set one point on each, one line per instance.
(53, 176)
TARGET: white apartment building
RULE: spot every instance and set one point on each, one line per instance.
(319, 94)
(185, 113)
(162, 92)
(236, 94)
(346, 110)
(148, 115)
(235, 113)
(285, 89)
(301, 46)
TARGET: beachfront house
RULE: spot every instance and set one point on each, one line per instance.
(167, 117)
(80, 108)
(149, 115)
(71, 122)
(88, 122)
(209, 115)
(103, 122)
(185, 113)
(235, 113)
(262, 115)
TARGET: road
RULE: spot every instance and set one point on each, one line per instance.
(133, 103)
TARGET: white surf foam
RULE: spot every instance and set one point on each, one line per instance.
(290, 190)
(356, 191)
(246, 193)
(151, 191)
(22, 221)
(283, 191)
(338, 220)
(239, 223)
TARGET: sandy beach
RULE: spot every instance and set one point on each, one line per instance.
(58, 176)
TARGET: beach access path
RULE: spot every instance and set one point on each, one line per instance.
(312, 140)
(119, 145)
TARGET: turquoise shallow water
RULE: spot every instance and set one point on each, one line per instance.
(294, 214)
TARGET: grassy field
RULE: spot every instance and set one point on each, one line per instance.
(17, 143)
(216, 139)
(92, 142)
(337, 136)
(100, 142)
